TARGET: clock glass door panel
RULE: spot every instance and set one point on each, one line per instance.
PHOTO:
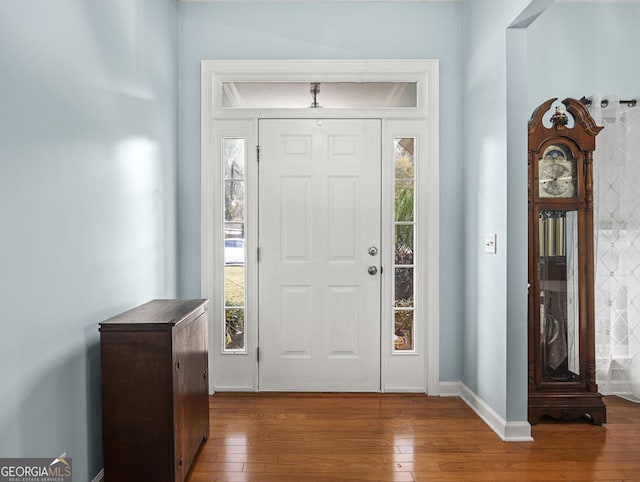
(559, 296)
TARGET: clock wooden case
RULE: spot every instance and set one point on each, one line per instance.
(561, 331)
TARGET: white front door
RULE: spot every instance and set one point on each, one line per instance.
(319, 215)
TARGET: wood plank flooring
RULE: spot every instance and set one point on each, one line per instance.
(382, 437)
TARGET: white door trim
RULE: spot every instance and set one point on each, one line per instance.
(239, 371)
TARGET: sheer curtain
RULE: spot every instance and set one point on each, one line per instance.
(617, 237)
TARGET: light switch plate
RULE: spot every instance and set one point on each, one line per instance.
(490, 243)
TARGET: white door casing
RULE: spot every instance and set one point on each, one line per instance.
(238, 371)
(319, 213)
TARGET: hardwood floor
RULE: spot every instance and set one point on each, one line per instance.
(382, 437)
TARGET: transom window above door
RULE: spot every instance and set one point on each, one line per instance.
(343, 88)
(332, 95)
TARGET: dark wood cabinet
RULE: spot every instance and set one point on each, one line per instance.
(155, 407)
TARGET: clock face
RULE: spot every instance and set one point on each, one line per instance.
(557, 173)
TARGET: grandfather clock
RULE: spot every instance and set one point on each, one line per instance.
(562, 370)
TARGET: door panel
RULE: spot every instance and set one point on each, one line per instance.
(319, 212)
(343, 218)
(295, 212)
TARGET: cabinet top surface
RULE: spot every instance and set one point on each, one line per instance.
(167, 312)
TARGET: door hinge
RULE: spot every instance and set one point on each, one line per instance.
(258, 354)
(258, 255)
(258, 153)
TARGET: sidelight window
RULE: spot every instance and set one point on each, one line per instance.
(234, 155)
(404, 244)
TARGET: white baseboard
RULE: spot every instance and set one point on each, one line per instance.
(517, 432)
(99, 477)
(450, 389)
(404, 390)
(233, 389)
(507, 431)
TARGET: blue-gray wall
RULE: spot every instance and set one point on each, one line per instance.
(88, 166)
(576, 49)
(328, 30)
(484, 94)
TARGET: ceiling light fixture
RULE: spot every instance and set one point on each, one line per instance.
(315, 90)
